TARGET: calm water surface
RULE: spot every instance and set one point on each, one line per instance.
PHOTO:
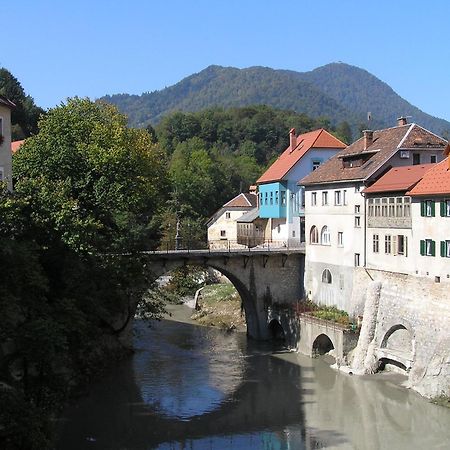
(192, 387)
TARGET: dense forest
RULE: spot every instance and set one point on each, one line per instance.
(338, 91)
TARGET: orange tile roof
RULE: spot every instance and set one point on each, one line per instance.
(314, 139)
(16, 145)
(242, 200)
(435, 182)
(399, 179)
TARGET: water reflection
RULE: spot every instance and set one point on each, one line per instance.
(190, 387)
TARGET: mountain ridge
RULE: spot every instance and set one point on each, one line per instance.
(338, 91)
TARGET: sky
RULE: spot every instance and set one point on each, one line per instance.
(59, 49)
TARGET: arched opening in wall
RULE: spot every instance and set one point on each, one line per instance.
(276, 331)
(397, 349)
(314, 235)
(322, 345)
(211, 295)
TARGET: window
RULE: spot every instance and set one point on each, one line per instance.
(283, 198)
(325, 198)
(357, 209)
(271, 198)
(391, 208)
(357, 259)
(276, 197)
(227, 215)
(407, 207)
(315, 164)
(445, 249)
(376, 243)
(445, 208)
(326, 277)
(427, 247)
(416, 159)
(340, 239)
(427, 208)
(1, 126)
(265, 199)
(314, 235)
(433, 159)
(337, 198)
(357, 221)
(341, 282)
(344, 197)
(313, 198)
(278, 229)
(387, 244)
(402, 245)
(223, 234)
(325, 236)
(384, 207)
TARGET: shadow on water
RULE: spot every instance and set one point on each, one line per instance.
(192, 387)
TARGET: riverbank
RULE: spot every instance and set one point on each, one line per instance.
(219, 305)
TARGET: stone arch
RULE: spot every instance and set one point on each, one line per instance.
(322, 344)
(276, 330)
(397, 347)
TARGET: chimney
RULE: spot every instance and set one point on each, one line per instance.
(292, 139)
(402, 121)
(368, 138)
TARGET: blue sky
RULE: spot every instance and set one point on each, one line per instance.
(58, 49)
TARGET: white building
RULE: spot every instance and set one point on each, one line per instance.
(335, 208)
(5, 141)
(222, 226)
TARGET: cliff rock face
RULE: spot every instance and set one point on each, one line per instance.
(406, 324)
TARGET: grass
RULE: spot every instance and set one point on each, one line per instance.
(330, 313)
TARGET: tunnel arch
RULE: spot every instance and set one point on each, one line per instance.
(322, 344)
(397, 348)
(276, 330)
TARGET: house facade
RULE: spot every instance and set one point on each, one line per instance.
(281, 199)
(5, 141)
(335, 206)
(222, 226)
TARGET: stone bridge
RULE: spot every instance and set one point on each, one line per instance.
(266, 279)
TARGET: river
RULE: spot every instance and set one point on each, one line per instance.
(193, 387)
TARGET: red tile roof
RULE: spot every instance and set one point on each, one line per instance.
(385, 144)
(435, 182)
(16, 145)
(399, 179)
(243, 200)
(314, 139)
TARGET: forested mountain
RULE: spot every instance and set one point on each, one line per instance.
(338, 91)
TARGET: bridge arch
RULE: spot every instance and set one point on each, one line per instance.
(397, 347)
(276, 330)
(322, 344)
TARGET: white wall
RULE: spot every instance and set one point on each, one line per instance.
(229, 225)
(5, 147)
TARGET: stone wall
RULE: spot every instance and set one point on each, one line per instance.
(410, 306)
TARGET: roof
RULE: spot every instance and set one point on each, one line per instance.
(385, 144)
(16, 145)
(243, 200)
(4, 101)
(399, 179)
(314, 139)
(249, 216)
(435, 182)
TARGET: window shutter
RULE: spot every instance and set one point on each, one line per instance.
(443, 208)
(433, 248)
(394, 245)
(422, 208)
(432, 208)
(422, 247)
(406, 245)
(443, 248)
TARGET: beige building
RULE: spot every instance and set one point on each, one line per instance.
(5, 141)
(222, 226)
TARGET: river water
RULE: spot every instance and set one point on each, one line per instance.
(193, 387)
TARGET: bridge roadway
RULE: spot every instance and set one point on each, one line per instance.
(265, 277)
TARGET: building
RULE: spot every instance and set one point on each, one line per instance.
(335, 206)
(280, 197)
(5, 141)
(222, 226)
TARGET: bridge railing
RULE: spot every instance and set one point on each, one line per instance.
(226, 245)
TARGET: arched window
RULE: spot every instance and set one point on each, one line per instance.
(325, 236)
(314, 235)
(326, 277)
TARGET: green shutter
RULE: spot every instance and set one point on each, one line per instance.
(443, 208)
(422, 247)
(433, 248)
(432, 208)
(422, 208)
(443, 248)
